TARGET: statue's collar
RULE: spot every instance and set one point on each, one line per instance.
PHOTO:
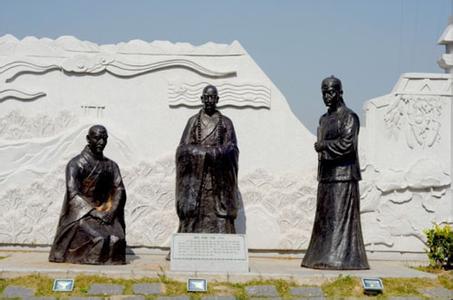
(337, 109)
(90, 155)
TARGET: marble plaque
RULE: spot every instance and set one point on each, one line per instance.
(219, 253)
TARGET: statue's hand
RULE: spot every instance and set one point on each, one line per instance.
(108, 217)
(212, 152)
(97, 214)
(197, 150)
(319, 146)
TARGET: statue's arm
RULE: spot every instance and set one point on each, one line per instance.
(118, 196)
(230, 134)
(346, 143)
(78, 205)
(229, 144)
(187, 135)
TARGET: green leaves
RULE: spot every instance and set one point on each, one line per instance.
(440, 246)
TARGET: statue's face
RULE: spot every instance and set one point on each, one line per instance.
(97, 139)
(331, 94)
(209, 99)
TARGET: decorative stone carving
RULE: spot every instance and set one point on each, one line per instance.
(16, 126)
(417, 117)
(278, 191)
(232, 94)
(91, 65)
(19, 95)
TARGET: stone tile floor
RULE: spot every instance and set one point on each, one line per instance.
(20, 263)
(268, 292)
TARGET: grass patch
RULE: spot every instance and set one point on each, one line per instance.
(446, 279)
(282, 286)
(429, 269)
(347, 286)
(407, 286)
(40, 283)
(3, 257)
(343, 286)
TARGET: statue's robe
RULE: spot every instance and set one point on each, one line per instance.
(336, 240)
(91, 184)
(206, 175)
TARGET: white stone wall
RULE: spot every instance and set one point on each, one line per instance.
(52, 91)
(406, 162)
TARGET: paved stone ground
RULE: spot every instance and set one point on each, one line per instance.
(152, 265)
(307, 292)
(105, 289)
(266, 292)
(261, 291)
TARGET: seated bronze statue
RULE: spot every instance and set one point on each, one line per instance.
(206, 171)
(91, 229)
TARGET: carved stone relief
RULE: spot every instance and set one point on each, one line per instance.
(19, 95)
(232, 94)
(417, 117)
(388, 195)
(91, 65)
(16, 126)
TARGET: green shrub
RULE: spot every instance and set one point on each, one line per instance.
(440, 246)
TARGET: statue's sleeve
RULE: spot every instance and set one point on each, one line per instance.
(230, 135)
(78, 205)
(229, 145)
(187, 137)
(189, 172)
(225, 162)
(118, 192)
(346, 144)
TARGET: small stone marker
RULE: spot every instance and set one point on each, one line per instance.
(127, 297)
(106, 289)
(147, 288)
(218, 298)
(13, 291)
(261, 291)
(438, 293)
(405, 298)
(205, 252)
(174, 298)
(85, 298)
(309, 292)
(40, 298)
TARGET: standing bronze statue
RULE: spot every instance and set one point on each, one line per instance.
(336, 240)
(206, 171)
(91, 229)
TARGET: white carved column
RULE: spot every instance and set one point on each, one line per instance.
(446, 63)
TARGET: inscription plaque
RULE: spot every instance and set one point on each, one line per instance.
(208, 252)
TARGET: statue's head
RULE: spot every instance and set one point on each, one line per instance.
(209, 98)
(332, 91)
(97, 139)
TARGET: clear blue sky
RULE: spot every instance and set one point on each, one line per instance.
(367, 44)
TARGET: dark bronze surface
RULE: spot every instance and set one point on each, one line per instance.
(336, 240)
(91, 229)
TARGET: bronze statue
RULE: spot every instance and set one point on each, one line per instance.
(91, 229)
(206, 171)
(336, 240)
